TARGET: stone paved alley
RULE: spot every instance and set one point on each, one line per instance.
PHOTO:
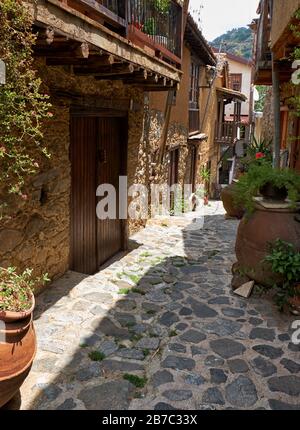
(164, 312)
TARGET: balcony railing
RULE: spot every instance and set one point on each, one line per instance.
(154, 25)
(157, 24)
(227, 132)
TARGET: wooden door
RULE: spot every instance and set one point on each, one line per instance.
(96, 158)
(173, 174)
(109, 167)
(295, 150)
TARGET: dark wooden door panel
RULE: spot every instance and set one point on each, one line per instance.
(109, 231)
(83, 198)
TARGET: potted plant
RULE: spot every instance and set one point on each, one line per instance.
(284, 260)
(205, 177)
(272, 184)
(269, 217)
(17, 336)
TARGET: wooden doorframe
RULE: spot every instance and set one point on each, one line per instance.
(83, 111)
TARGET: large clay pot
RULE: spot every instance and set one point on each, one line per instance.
(227, 196)
(257, 232)
(17, 351)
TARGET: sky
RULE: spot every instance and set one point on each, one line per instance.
(219, 16)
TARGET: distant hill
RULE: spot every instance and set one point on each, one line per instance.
(238, 41)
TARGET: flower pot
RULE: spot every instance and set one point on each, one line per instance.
(227, 196)
(255, 234)
(10, 316)
(17, 351)
(271, 192)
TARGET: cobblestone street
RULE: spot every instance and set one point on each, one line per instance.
(166, 313)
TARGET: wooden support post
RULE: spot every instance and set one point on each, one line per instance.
(164, 136)
(276, 108)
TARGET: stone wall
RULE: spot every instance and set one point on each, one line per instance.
(35, 230)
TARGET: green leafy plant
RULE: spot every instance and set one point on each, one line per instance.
(16, 289)
(150, 27)
(284, 261)
(258, 152)
(251, 182)
(135, 380)
(162, 6)
(96, 356)
(22, 105)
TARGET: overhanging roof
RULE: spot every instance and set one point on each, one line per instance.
(197, 42)
(235, 95)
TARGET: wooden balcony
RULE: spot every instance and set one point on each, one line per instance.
(227, 132)
(262, 51)
(151, 25)
(156, 28)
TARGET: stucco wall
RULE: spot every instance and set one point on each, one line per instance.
(245, 70)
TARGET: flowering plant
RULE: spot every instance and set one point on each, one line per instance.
(22, 105)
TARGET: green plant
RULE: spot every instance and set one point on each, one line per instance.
(135, 380)
(124, 291)
(150, 27)
(96, 356)
(251, 182)
(16, 289)
(162, 6)
(259, 152)
(284, 261)
(22, 105)
(146, 352)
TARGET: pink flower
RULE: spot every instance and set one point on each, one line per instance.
(259, 155)
(50, 114)
(36, 165)
(24, 196)
(2, 149)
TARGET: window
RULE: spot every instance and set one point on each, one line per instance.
(236, 81)
(194, 86)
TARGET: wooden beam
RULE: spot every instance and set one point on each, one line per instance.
(125, 70)
(46, 35)
(95, 61)
(82, 51)
(79, 27)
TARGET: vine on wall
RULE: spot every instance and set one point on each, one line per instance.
(22, 104)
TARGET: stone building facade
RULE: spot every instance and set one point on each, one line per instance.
(115, 77)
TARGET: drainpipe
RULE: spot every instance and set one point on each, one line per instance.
(276, 108)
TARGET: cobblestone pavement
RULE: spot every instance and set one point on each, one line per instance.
(164, 312)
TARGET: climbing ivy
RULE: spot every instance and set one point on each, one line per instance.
(22, 105)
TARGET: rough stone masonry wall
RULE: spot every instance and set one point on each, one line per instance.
(37, 233)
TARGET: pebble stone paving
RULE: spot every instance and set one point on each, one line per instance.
(164, 312)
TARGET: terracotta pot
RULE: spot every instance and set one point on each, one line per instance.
(227, 196)
(271, 192)
(254, 236)
(10, 316)
(17, 351)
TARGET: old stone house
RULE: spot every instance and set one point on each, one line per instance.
(96, 60)
(274, 46)
(199, 134)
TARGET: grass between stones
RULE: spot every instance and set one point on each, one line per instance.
(96, 356)
(135, 380)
